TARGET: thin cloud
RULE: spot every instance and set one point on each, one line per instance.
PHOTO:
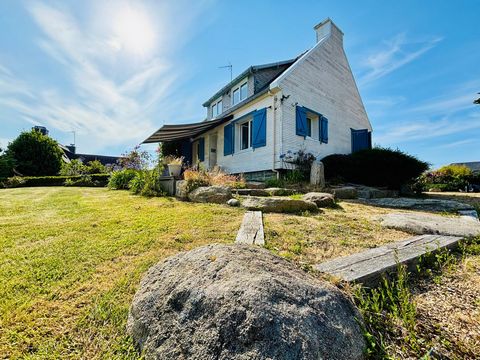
(395, 53)
(458, 143)
(107, 103)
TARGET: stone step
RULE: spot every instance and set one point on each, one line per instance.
(251, 230)
(367, 267)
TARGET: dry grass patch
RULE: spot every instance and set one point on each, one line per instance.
(311, 239)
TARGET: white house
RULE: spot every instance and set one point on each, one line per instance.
(310, 102)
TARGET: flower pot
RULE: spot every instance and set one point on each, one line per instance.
(174, 169)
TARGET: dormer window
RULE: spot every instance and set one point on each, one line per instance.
(240, 93)
(217, 108)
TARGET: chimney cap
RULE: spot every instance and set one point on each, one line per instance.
(324, 22)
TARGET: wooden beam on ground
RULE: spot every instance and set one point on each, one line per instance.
(367, 267)
(251, 231)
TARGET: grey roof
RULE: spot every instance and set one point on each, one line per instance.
(252, 69)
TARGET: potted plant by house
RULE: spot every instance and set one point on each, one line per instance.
(174, 165)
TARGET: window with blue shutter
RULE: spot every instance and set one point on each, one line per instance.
(361, 140)
(201, 149)
(301, 121)
(228, 139)
(323, 129)
(259, 128)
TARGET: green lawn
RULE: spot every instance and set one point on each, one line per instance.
(71, 259)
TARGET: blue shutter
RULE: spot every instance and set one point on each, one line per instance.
(301, 121)
(228, 139)
(361, 139)
(323, 129)
(259, 128)
(201, 149)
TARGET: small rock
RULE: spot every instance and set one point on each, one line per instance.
(322, 200)
(344, 192)
(238, 302)
(211, 194)
(280, 191)
(278, 204)
(233, 202)
(255, 185)
(432, 224)
(253, 192)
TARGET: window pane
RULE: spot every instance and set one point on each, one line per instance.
(244, 133)
(243, 92)
(214, 110)
(219, 107)
(309, 127)
(236, 96)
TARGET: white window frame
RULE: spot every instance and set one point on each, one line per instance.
(215, 107)
(239, 89)
(240, 135)
(315, 126)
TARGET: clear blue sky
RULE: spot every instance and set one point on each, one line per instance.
(115, 71)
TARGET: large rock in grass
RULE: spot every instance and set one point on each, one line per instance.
(432, 224)
(322, 200)
(211, 194)
(434, 205)
(278, 204)
(241, 302)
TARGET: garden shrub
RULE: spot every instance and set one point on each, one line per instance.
(120, 180)
(73, 168)
(146, 183)
(447, 178)
(298, 165)
(35, 154)
(374, 167)
(197, 178)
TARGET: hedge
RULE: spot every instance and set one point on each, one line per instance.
(95, 180)
(374, 167)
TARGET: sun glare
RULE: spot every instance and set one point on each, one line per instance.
(134, 31)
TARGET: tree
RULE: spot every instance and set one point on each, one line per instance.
(35, 154)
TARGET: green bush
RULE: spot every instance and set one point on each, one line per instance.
(32, 181)
(374, 167)
(96, 167)
(35, 154)
(120, 180)
(447, 178)
(73, 168)
(7, 164)
(146, 183)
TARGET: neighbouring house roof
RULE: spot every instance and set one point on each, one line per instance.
(184, 131)
(86, 158)
(473, 165)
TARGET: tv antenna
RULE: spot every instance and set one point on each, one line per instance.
(229, 66)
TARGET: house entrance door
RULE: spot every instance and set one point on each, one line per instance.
(212, 143)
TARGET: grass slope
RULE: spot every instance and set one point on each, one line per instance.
(71, 258)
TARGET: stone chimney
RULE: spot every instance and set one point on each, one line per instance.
(327, 27)
(71, 148)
